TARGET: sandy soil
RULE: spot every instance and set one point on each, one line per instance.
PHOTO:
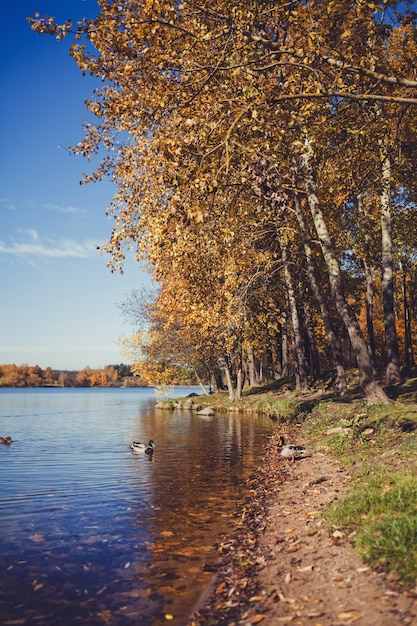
(284, 566)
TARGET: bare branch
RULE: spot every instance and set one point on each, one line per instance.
(346, 96)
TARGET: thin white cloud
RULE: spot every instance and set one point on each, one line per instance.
(71, 210)
(8, 203)
(33, 246)
(12, 205)
(29, 231)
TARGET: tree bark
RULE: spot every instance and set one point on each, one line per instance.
(370, 292)
(284, 348)
(299, 347)
(229, 383)
(373, 392)
(216, 376)
(239, 380)
(369, 277)
(235, 391)
(393, 374)
(200, 382)
(312, 347)
(251, 367)
(318, 295)
(408, 344)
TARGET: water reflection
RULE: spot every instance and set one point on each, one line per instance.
(198, 472)
(91, 532)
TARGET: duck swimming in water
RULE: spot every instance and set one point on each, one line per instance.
(6, 440)
(289, 451)
(143, 447)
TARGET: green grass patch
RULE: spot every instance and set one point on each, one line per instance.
(382, 510)
(167, 403)
(280, 407)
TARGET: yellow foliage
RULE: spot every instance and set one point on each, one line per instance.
(203, 115)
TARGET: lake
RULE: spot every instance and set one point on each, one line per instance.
(92, 533)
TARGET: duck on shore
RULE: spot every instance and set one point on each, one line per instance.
(136, 446)
(290, 451)
(7, 440)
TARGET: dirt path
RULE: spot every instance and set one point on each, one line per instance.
(284, 566)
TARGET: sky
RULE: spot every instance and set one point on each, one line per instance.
(59, 303)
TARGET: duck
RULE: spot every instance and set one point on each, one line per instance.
(143, 447)
(7, 440)
(289, 450)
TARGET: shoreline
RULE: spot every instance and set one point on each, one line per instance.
(281, 564)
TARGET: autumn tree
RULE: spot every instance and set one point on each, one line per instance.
(195, 95)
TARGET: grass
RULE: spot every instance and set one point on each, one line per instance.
(382, 511)
(377, 444)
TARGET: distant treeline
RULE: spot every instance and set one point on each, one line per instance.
(34, 376)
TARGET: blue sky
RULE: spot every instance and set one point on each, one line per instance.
(58, 302)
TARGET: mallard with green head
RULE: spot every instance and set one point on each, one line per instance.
(289, 450)
(143, 447)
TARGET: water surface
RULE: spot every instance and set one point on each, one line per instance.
(91, 533)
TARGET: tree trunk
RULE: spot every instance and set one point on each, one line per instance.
(393, 374)
(318, 295)
(216, 376)
(408, 343)
(235, 391)
(299, 347)
(258, 370)
(369, 277)
(239, 380)
(200, 382)
(284, 348)
(373, 392)
(314, 356)
(251, 367)
(229, 383)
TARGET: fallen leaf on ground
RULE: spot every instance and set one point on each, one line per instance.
(308, 568)
(284, 599)
(338, 534)
(352, 616)
(315, 614)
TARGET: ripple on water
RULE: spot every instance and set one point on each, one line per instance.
(89, 530)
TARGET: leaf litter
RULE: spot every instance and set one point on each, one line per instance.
(283, 565)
